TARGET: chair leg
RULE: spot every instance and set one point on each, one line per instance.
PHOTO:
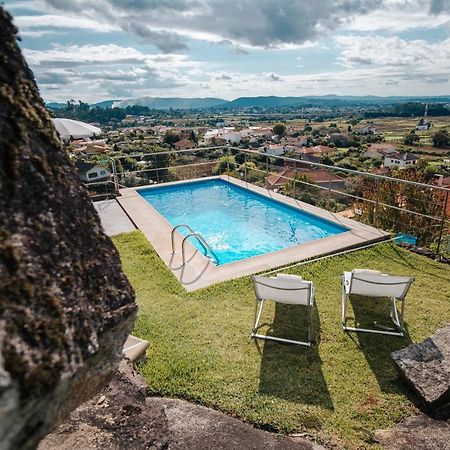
(310, 321)
(396, 318)
(344, 305)
(398, 331)
(258, 312)
(255, 335)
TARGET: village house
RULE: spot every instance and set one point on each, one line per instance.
(316, 150)
(273, 149)
(89, 147)
(90, 172)
(184, 144)
(400, 160)
(379, 151)
(368, 129)
(326, 179)
(279, 179)
(294, 141)
(304, 159)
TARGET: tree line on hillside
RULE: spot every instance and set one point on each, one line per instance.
(87, 113)
(410, 109)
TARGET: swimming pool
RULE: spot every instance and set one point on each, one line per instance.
(236, 223)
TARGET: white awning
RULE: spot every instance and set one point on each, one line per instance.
(68, 128)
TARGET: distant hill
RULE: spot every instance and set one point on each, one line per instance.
(55, 105)
(172, 102)
(327, 100)
(104, 104)
(162, 103)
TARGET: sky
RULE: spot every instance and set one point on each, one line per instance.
(93, 50)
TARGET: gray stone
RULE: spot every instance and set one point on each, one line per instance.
(426, 367)
(121, 417)
(66, 307)
(417, 432)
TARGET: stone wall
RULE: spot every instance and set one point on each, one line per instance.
(65, 305)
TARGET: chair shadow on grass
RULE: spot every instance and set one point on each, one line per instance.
(288, 371)
(377, 348)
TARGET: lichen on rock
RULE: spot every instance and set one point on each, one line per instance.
(65, 305)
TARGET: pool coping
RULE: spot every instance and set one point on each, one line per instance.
(200, 272)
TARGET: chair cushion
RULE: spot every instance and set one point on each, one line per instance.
(362, 271)
(287, 276)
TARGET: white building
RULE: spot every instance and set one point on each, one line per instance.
(400, 160)
(274, 150)
(89, 172)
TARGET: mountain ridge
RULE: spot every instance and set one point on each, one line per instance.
(188, 103)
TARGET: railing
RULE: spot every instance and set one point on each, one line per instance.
(172, 234)
(160, 163)
(204, 244)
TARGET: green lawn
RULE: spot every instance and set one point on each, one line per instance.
(339, 392)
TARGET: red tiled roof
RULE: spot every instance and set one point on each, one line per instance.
(320, 176)
(322, 149)
(277, 179)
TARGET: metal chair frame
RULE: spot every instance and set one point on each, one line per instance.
(397, 318)
(258, 311)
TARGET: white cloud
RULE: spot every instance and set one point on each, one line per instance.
(61, 21)
(411, 56)
(244, 23)
(102, 71)
(398, 16)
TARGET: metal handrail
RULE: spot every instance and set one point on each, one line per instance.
(172, 235)
(204, 244)
(293, 160)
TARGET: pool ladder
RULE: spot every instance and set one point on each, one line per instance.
(199, 237)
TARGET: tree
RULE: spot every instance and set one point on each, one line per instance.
(193, 137)
(170, 138)
(411, 138)
(441, 139)
(402, 197)
(279, 129)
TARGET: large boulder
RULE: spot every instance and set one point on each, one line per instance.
(122, 417)
(65, 305)
(426, 367)
(414, 433)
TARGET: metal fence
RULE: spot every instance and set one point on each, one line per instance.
(398, 205)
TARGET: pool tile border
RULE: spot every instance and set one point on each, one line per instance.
(200, 272)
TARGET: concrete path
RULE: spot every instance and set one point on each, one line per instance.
(113, 218)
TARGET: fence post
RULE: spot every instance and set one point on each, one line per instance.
(245, 167)
(156, 167)
(441, 229)
(115, 180)
(377, 198)
(295, 181)
(267, 171)
(329, 189)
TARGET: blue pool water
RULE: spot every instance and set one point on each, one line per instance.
(236, 222)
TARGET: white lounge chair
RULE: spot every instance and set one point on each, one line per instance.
(288, 289)
(372, 283)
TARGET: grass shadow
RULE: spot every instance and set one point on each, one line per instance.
(377, 348)
(409, 262)
(293, 372)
